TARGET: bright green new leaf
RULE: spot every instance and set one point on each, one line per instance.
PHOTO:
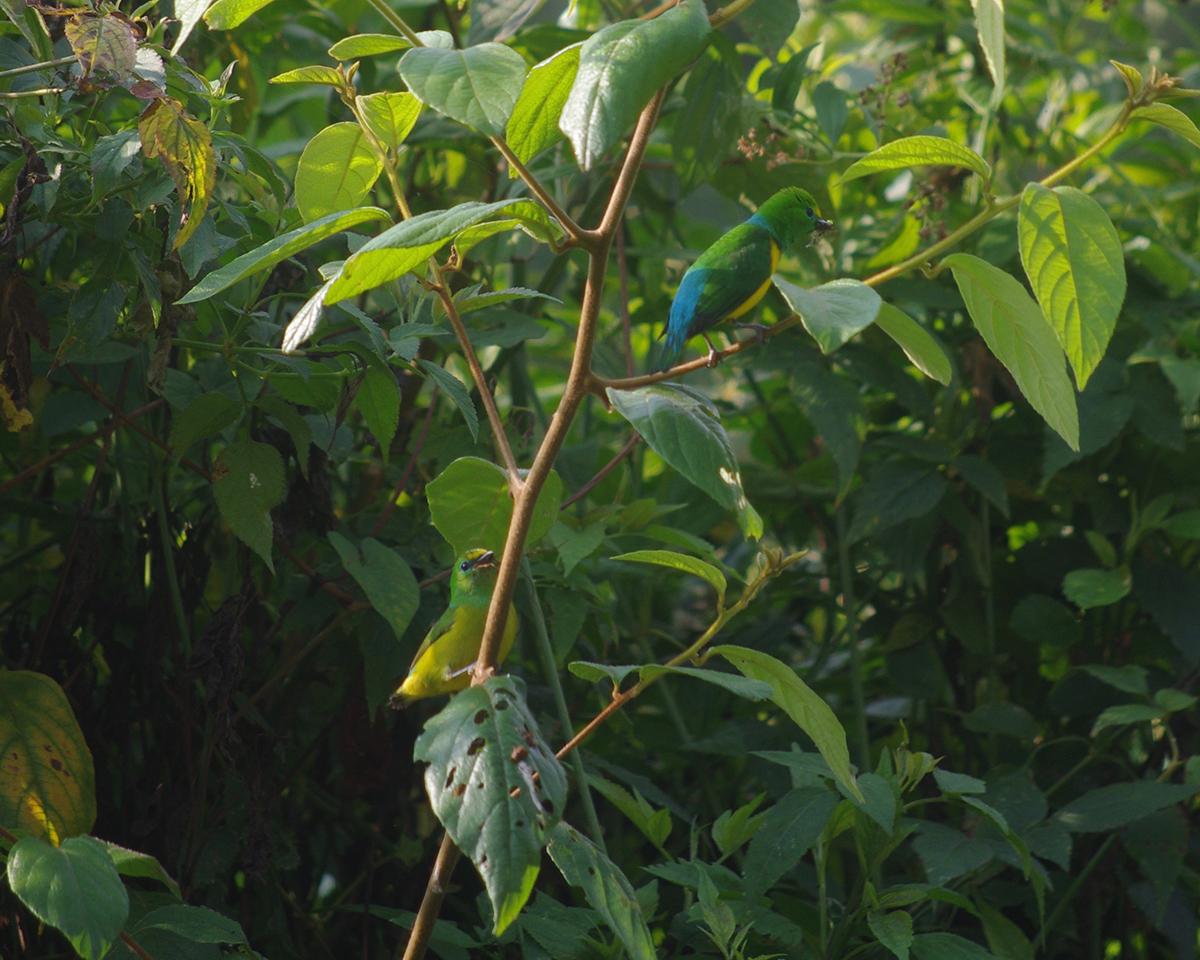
(48, 787)
(384, 577)
(391, 116)
(736, 684)
(533, 125)
(1172, 118)
(809, 712)
(495, 785)
(336, 171)
(683, 428)
(248, 484)
(684, 563)
(317, 73)
(1015, 331)
(227, 14)
(833, 312)
(282, 247)
(1073, 258)
(1131, 75)
(133, 863)
(620, 68)
(74, 888)
(470, 504)
(918, 344)
(605, 888)
(917, 152)
(374, 44)
(1093, 587)
(478, 86)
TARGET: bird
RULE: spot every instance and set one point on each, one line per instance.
(446, 657)
(732, 275)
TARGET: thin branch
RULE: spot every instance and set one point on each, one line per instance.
(573, 229)
(397, 22)
(134, 947)
(604, 471)
(35, 67)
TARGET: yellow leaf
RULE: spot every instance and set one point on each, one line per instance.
(185, 146)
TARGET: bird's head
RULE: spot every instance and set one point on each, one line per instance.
(794, 214)
(475, 572)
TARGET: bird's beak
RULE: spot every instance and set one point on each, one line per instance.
(486, 560)
(823, 226)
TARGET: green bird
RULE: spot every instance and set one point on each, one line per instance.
(446, 657)
(732, 275)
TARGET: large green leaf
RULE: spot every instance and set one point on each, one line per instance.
(810, 713)
(75, 888)
(605, 887)
(684, 563)
(894, 930)
(788, 831)
(916, 152)
(1094, 587)
(336, 171)
(391, 116)
(470, 504)
(1172, 118)
(384, 577)
(227, 14)
(833, 312)
(533, 125)
(247, 484)
(1016, 332)
(282, 247)
(496, 787)
(683, 428)
(477, 86)
(1073, 258)
(1107, 808)
(48, 786)
(197, 924)
(918, 344)
(620, 68)
(207, 416)
(407, 245)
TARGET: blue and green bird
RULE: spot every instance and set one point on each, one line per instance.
(446, 657)
(730, 277)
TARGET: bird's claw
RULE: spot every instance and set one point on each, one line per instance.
(713, 357)
(760, 330)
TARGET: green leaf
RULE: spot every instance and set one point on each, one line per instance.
(917, 152)
(1174, 701)
(374, 44)
(989, 24)
(605, 888)
(1093, 587)
(1107, 808)
(833, 405)
(104, 44)
(227, 14)
(456, 390)
(707, 128)
(1172, 118)
(947, 946)
(1132, 77)
(317, 73)
(1073, 258)
(279, 249)
(1185, 525)
(495, 785)
(684, 563)
(788, 831)
(1124, 714)
(184, 145)
(49, 784)
(336, 171)
(1016, 332)
(833, 312)
(620, 69)
(384, 577)
(897, 490)
(810, 713)
(918, 344)
(406, 246)
(894, 930)
(683, 428)
(378, 400)
(207, 416)
(654, 824)
(247, 484)
(477, 86)
(829, 102)
(985, 478)
(499, 19)
(470, 504)
(133, 863)
(616, 674)
(737, 685)
(197, 924)
(949, 782)
(1129, 679)
(74, 888)
(533, 125)
(390, 116)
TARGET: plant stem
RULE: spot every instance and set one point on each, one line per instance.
(168, 549)
(1077, 882)
(604, 471)
(35, 67)
(397, 22)
(862, 742)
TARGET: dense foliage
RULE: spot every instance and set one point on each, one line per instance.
(879, 638)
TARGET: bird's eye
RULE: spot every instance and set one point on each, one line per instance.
(808, 212)
(465, 566)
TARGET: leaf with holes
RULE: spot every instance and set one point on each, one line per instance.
(47, 782)
(683, 428)
(496, 787)
(605, 888)
(247, 484)
(470, 504)
(75, 888)
(184, 145)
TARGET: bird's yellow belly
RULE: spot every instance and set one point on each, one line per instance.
(443, 667)
(751, 301)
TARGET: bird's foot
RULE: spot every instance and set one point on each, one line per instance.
(713, 356)
(760, 330)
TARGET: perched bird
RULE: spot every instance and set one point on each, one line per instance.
(732, 275)
(446, 657)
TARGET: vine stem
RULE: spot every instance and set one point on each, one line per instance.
(35, 67)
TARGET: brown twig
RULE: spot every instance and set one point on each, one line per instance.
(134, 947)
(604, 471)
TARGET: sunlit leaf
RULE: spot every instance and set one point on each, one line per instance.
(184, 145)
(917, 152)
